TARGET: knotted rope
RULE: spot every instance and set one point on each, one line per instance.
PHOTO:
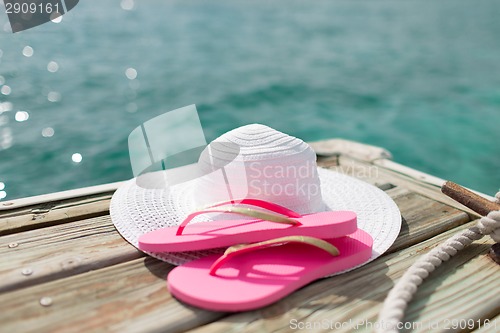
(401, 294)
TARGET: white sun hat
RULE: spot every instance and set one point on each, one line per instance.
(253, 161)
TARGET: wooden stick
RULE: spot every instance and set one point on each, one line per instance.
(477, 203)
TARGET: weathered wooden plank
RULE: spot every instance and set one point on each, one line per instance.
(354, 149)
(50, 198)
(357, 168)
(46, 254)
(418, 176)
(129, 297)
(422, 218)
(461, 287)
(376, 156)
(47, 214)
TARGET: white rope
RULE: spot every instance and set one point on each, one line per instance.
(397, 300)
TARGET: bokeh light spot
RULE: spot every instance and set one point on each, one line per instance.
(3, 194)
(127, 4)
(131, 73)
(54, 96)
(52, 66)
(76, 157)
(2, 185)
(48, 132)
(5, 90)
(22, 116)
(28, 51)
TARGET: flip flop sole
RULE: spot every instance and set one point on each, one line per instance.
(256, 279)
(215, 234)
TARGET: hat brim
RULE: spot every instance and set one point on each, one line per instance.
(136, 210)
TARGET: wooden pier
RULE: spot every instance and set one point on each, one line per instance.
(65, 268)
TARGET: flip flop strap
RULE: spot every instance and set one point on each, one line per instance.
(285, 216)
(244, 248)
(258, 203)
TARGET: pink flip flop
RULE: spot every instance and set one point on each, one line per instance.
(253, 276)
(223, 233)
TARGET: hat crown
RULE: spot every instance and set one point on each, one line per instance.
(260, 142)
(261, 163)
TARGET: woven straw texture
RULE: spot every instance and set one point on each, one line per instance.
(136, 210)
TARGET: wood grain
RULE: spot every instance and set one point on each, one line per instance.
(422, 218)
(357, 150)
(48, 214)
(128, 297)
(470, 199)
(380, 175)
(59, 251)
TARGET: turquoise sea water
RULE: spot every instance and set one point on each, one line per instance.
(420, 78)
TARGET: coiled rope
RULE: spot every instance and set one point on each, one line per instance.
(397, 300)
